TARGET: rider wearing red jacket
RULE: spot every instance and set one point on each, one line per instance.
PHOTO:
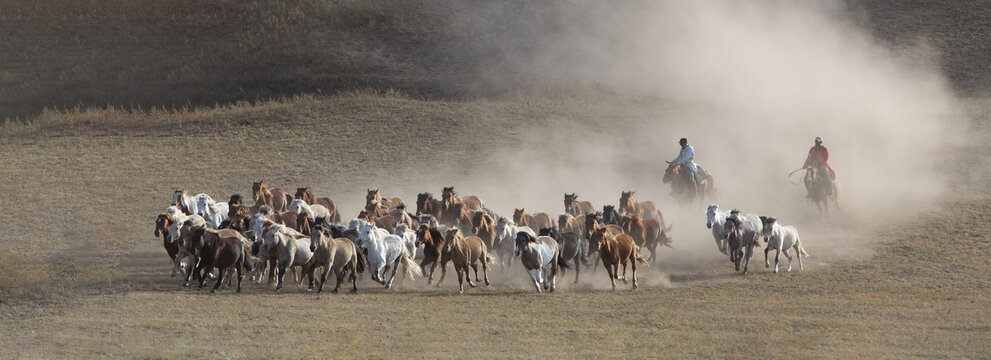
(819, 158)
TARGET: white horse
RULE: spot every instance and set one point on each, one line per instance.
(215, 213)
(191, 203)
(385, 250)
(716, 220)
(357, 225)
(313, 212)
(540, 257)
(505, 240)
(782, 238)
(409, 238)
(751, 222)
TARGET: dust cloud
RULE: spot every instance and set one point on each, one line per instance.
(750, 84)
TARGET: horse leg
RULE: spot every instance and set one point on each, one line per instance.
(613, 271)
(767, 263)
(220, 279)
(354, 277)
(787, 255)
(467, 275)
(459, 269)
(395, 266)
(624, 273)
(538, 278)
(443, 272)
(750, 252)
(283, 266)
(485, 270)
(577, 269)
(798, 254)
(272, 264)
(193, 263)
(633, 265)
(777, 255)
(423, 265)
(240, 276)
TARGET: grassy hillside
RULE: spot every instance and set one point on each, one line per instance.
(59, 53)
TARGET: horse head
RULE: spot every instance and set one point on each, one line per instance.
(710, 215)
(522, 239)
(670, 173)
(518, 214)
(596, 238)
(769, 223)
(421, 202)
(257, 188)
(548, 231)
(452, 235)
(626, 201)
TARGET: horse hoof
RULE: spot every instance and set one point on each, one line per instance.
(311, 290)
(213, 291)
(775, 271)
(185, 284)
(238, 291)
(198, 288)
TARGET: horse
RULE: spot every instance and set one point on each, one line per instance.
(484, 226)
(223, 249)
(466, 252)
(716, 221)
(215, 213)
(682, 186)
(820, 189)
(449, 197)
(506, 231)
(163, 222)
(235, 199)
(190, 205)
(568, 223)
(427, 205)
(610, 215)
(645, 209)
(276, 198)
(409, 239)
(740, 236)
(306, 194)
(291, 249)
(429, 220)
(781, 238)
(647, 234)
(535, 221)
(179, 233)
(384, 250)
(541, 257)
(594, 222)
(432, 239)
(615, 250)
(386, 222)
(401, 217)
(373, 196)
(572, 247)
(574, 207)
(334, 253)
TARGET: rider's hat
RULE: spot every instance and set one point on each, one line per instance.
(819, 138)
(683, 140)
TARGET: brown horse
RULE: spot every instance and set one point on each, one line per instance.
(574, 207)
(386, 222)
(615, 250)
(535, 221)
(338, 254)
(275, 198)
(306, 193)
(594, 222)
(449, 198)
(223, 249)
(682, 186)
(374, 196)
(162, 225)
(427, 205)
(647, 233)
(645, 209)
(575, 224)
(433, 244)
(466, 252)
(485, 227)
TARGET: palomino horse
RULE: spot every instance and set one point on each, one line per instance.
(781, 238)
(615, 250)
(820, 190)
(645, 209)
(535, 221)
(338, 254)
(506, 231)
(740, 237)
(646, 234)
(427, 205)
(574, 207)
(572, 247)
(374, 196)
(466, 252)
(306, 193)
(484, 226)
(223, 249)
(275, 198)
(682, 186)
(386, 250)
(610, 215)
(541, 257)
(432, 239)
(575, 224)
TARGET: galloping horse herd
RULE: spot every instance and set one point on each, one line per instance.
(304, 233)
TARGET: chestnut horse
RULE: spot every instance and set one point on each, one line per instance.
(647, 233)
(466, 252)
(535, 221)
(484, 226)
(575, 224)
(386, 222)
(427, 205)
(645, 210)
(574, 207)
(615, 250)
(306, 193)
(162, 225)
(373, 196)
(275, 198)
(432, 239)
(449, 198)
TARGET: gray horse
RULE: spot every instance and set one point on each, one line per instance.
(740, 235)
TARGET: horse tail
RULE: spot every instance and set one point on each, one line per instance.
(359, 261)
(801, 251)
(490, 259)
(411, 267)
(639, 258)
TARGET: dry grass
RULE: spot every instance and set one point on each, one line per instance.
(84, 286)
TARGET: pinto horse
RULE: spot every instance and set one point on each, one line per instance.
(574, 207)
(275, 198)
(466, 252)
(306, 193)
(682, 186)
(541, 257)
(615, 250)
(432, 239)
(506, 232)
(427, 205)
(535, 221)
(645, 209)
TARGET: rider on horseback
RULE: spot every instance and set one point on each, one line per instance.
(818, 158)
(686, 161)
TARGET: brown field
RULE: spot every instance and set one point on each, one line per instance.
(80, 284)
